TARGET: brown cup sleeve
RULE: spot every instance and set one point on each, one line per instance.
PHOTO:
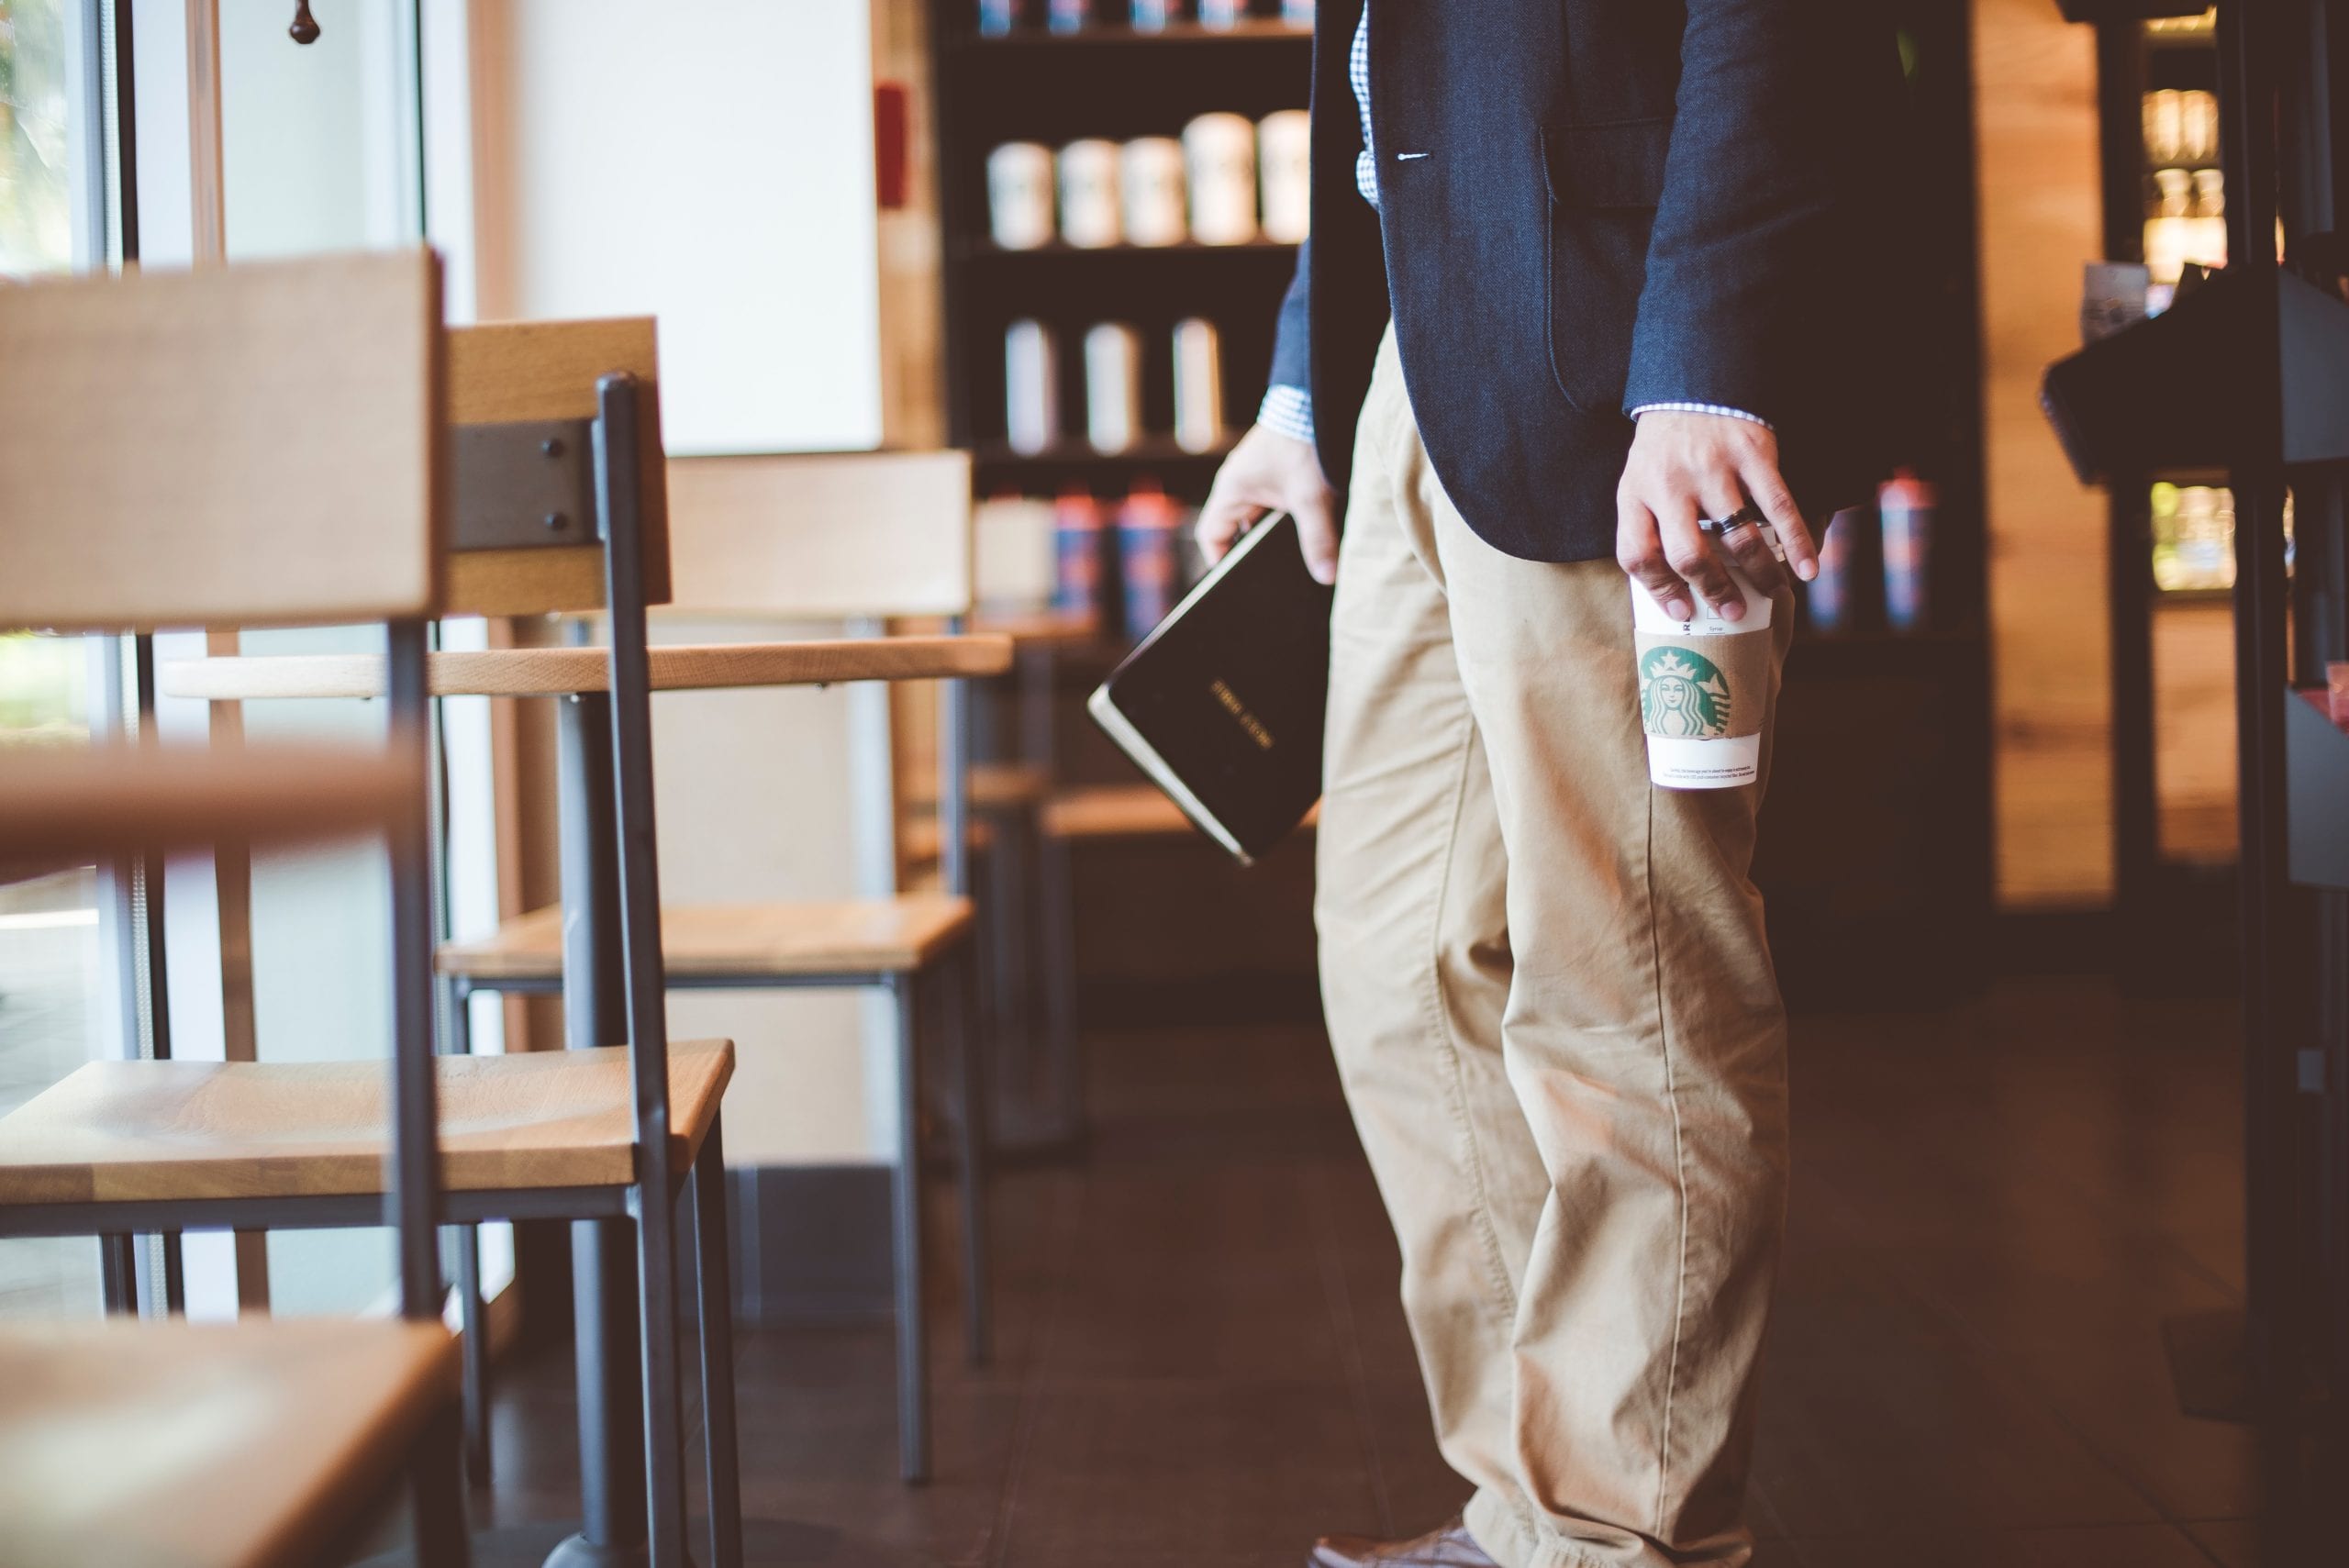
(1703, 688)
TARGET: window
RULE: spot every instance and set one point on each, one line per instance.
(59, 967)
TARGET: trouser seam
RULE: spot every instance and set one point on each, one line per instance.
(1680, 1182)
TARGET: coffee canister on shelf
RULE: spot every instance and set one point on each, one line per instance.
(1149, 182)
(1219, 153)
(1071, 16)
(1088, 171)
(1148, 528)
(1222, 15)
(1905, 513)
(998, 17)
(1076, 552)
(1113, 387)
(1152, 15)
(1031, 400)
(1285, 168)
(1828, 596)
(1198, 385)
(1019, 195)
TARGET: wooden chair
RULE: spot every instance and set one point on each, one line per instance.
(607, 1134)
(168, 445)
(848, 538)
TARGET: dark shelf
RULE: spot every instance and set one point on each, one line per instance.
(1251, 30)
(1185, 474)
(986, 250)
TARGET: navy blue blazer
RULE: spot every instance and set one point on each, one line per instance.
(1621, 202)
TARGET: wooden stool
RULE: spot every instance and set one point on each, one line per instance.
(290, 393)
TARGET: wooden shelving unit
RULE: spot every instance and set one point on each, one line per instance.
(1116, 83)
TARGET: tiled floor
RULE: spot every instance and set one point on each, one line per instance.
(1202, 1362)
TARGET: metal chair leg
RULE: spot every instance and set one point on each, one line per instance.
(1058, 896)
(664, 1455)
(475, 1359)
(711, 1242)
(436, 1493)
(913, 1352)
(472, 1317)
(965, 1030)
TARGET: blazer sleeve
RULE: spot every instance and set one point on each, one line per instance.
(1746, 205)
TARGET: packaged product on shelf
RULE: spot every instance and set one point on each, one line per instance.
(998, 17)
(1014, 555)
(1076, 550)
(1283, 161)
(2198, 132)
(1089, 193)
(1113, 387)
(1071, 16)
(1148, 526)
(2209, 244)
(1152, 15)
(1032, 396)
(1297, 13)
(1904, 506)
(1223, 15)
(1219, 152)
(2169, 233)
(1828, 596)
(1198, 385)
(1019, 195)
(2164, 126)
(1150, 180)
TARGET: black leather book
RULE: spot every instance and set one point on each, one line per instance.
(1221, 705)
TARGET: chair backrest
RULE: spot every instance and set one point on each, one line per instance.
(249, 445)
(536, 372)
(239, 446)
(831, 536)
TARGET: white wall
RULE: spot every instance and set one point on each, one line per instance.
(710, 162)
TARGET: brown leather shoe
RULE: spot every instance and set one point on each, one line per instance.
(1447, 1546)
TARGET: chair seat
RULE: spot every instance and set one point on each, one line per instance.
(166, 1132)
(1113, 811)
(999, 786)
(920, 839)
(1122, 811)
(862, 936)
(205, 1445)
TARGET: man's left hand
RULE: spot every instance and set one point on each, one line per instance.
(1687, 467)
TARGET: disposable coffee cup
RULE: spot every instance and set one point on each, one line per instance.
(1704, 689)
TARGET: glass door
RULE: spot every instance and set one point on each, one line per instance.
(59, 972)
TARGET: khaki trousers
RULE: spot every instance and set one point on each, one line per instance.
(1558, 1026)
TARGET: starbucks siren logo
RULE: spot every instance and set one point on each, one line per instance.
(1683, 694)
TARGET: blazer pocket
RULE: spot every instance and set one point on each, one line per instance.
(1604, 184)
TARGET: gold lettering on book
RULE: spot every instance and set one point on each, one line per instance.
(1238, 710)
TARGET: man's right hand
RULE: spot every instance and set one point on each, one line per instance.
(1268, 472)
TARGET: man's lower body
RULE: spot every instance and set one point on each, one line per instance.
(1554, 1013)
